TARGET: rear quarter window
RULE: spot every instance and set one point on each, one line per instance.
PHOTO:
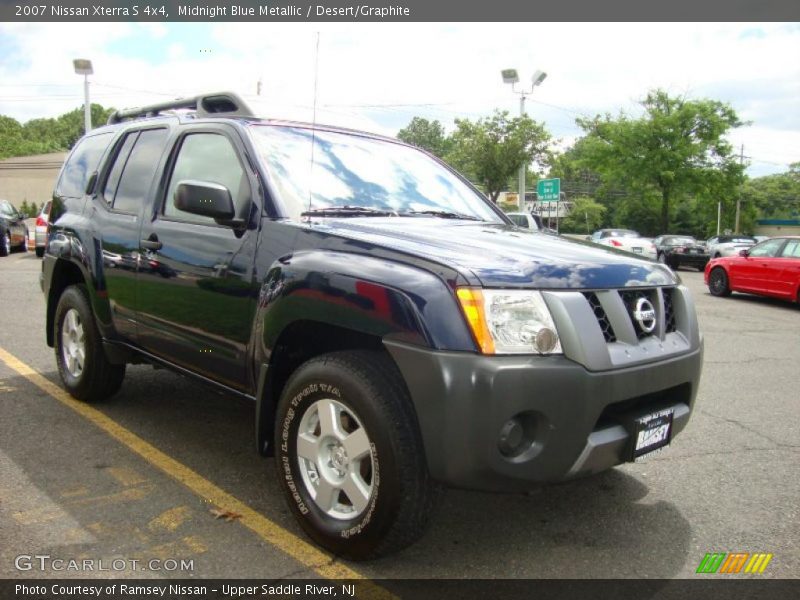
(82, 161)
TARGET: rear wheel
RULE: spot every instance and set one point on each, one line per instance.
(24, 245)
(82, 363)
(349, 455)
(718, 282)
(40, 251)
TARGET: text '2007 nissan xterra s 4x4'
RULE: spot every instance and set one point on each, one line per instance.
(392, 326)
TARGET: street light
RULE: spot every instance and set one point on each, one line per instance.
(511, 76)
(83, 67)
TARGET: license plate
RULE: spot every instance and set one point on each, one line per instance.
(637, 250)
(652, 433)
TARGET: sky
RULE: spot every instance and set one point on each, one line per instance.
(377, 76)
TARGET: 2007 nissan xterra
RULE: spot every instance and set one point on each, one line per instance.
(392, 326)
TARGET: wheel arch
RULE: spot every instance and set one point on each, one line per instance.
(64, 274)
(298, 343)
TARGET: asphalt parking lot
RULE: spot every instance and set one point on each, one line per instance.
(137, 478)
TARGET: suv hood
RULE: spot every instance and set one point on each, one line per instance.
(500, 255)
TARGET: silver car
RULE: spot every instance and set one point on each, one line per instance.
(728, 245)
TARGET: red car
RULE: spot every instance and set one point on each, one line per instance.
(770, 268)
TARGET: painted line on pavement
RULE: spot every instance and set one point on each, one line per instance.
(297, 548)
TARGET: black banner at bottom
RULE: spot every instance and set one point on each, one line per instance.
(706, 587)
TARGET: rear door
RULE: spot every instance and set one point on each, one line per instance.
(195, 288)
(790, 269)
(125, 188)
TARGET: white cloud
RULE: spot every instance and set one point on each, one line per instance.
(442, 70)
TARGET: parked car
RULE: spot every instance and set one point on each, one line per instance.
(625, 239)
(13, 231)
(770, 268)
(530, 221)
(680, 250)
(390, 324)
(42, 225)
(728, 245)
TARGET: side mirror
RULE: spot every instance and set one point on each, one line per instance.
(206, 199)
(745, 253)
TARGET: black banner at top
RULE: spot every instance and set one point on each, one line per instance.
(398, 10)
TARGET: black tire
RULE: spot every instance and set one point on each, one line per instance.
(5, 243)
(40, 251)
(718, 282)
(397, 510)
(99, 379)
(24, 245)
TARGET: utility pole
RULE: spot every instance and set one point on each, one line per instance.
(739, 199)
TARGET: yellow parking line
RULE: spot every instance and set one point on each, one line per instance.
(298, 549)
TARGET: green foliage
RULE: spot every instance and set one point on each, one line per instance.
(775, 196)
(40, 136)
(428, 135)
(491, 150)
(586, 216)
(677, 149)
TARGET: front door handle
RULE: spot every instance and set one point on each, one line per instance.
(151, 243)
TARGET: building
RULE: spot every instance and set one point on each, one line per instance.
(774, 227)
(30, 178)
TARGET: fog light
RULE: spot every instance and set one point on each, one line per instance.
(512, 436)
(546, 340)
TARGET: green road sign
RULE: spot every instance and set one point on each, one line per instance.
(548, 189)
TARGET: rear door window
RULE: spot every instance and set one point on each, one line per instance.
(82, 162)
(791, 249)
(138, 171)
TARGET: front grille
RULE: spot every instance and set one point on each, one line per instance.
(630, 297)
(669, 310)
(602, 317)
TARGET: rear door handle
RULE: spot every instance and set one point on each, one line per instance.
(151, 243)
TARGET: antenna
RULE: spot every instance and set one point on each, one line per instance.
(313, 123)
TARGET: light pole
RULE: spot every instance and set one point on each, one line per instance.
(83, 67)
(511, 76)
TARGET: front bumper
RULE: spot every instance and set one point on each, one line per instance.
(574, 416)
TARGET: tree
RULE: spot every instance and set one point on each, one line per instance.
(491, 150)
(40, 136)
(677, 148)
(585, 215)
(428, 135)
(775, 196)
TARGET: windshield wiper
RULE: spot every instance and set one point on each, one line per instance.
(348, 211)
(444, 214)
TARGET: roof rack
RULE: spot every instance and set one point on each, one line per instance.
(219, 104)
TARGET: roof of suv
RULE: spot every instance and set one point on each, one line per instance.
(220, 105)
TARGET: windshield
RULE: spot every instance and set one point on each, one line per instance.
(356, 171)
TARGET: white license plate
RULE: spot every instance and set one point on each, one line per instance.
(637, 250)
(652, 433)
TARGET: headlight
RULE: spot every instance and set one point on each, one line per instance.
(509, 321)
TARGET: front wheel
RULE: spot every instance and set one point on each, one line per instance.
(349, 455)
(82, 363)
(5, 244)
(718, 282)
